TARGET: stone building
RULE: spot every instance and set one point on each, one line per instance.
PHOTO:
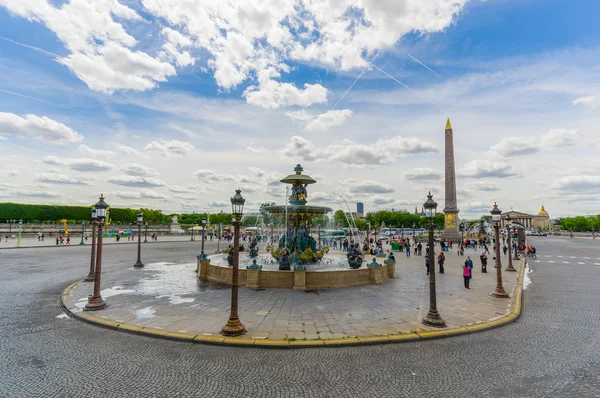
(530, 221)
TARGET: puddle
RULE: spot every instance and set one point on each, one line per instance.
(144, 313)
(169, 280)
(114, 291)
(173, 299)
(63, 316)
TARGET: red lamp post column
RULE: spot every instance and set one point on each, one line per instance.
(234, 326)
(95, 301)
(92, 275)
(433, 317)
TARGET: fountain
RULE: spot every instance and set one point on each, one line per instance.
(296, 246)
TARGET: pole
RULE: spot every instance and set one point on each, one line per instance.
(234, 327)
(499, 292)
(92, 275)
(138, 263)
(286, 214)
(95, 301)
(20, 230)
(218, 237)
(433, 317)
(192, 238)
(202, 238)
(515, 232)
(82, 232)
(510, 267)
(146, 234)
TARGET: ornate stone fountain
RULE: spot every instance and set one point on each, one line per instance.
(296, 247)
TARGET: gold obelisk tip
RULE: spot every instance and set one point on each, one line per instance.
(448, 125)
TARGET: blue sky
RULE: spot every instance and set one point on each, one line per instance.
(157, 110)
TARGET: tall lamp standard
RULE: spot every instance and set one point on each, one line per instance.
(20, 231)
(192, 238)
(515, 239)
(82, 232)
(414, 228)
(499, 292)
(510, 267)
(146, 233)
(234, 327)
(92, 275)
(433, 317)
(461, 227)
(219, 236)
(203, 229)
(95, 301)
(138, 263)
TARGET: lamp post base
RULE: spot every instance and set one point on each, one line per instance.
(510, 268)
(434, 319)
(499, 293)
(95, 303)
(138, 264)
(90, 278)
(233, 328)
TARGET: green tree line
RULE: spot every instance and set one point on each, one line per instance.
(580, 223)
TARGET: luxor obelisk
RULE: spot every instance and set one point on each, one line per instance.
(451, 208)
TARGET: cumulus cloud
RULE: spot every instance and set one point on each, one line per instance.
(170, 148)
(55, 178)
(186, 196)
(218, 203)
(322, 122)
(138, 170)
(592, 101)
(482, 186)
(41, 128)
(578, 183)
(137, 181)
(422, 174)
(102, 153)
(381, 200)
(35, 193)
(366, 186)
(80, 164)
(142, 194)
(211, 177)
(521, 146)
(383, 151)
(178, 189)
(127, 150)
(481, 168)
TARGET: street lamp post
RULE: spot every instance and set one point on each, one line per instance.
(234, 327)
(146, 233)
(219, 237)
(138, 263)
(462, 231)
(499, 292)
(510, 267)
(515, 239)
(92, 275)
(433, 317)
(414, 228)
(10, 223)
(203, 228)
(20, 231)
(369, 233)
(192, 238)
(95, 301)
(82, 232)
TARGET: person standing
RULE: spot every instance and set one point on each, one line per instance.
(441, 260)
(467, 275)
(484, 260)
(469, 263)
(427, 264)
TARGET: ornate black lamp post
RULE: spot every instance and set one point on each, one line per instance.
(95, 301)
(234, 327)
(510, 267)
(496, 217)
(461, 227)
(138, 263)
(432, 318)
(82, 232)
(203, 229)
(414, 228)
(219, 237)
(20, 231)
(192, 238)
(146, 234)
(92, 274)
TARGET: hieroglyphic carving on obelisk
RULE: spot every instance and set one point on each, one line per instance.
(451, 208)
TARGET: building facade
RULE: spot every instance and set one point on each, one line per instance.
(360, 209)
(530, 221)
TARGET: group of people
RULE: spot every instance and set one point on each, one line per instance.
(60, 240)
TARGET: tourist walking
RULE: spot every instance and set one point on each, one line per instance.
(427, 264)
(467, 275)
(484, 260)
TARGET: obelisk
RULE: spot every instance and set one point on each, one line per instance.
(451, 209)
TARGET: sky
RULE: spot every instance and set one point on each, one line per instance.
(172, 104)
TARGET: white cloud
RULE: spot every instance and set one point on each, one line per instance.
(41, 128)
(559, 138)
(218, 203)
(365, 187)
(321, 122)
(80, 164)
(138, 170)
(170, 148)
(521, 146)
(13, 173)
(578, 183)
(55, 178)
(173, 48)
(211, 177)
(383, 151)
(592, 101)
(422, 174)
(381, 200)
(186, 196)
(178, 189)
(142, 194)
(126, 150)
(35, 193)
(482, 168)
(137, 181)
(102, 153)
(272, 94)
(256, 150)
(481, 186)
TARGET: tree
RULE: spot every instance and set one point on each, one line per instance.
(339, 219)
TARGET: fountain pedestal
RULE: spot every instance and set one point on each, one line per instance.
(300, 280)
(253, 278)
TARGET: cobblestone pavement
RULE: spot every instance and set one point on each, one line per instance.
(166, 296)
(76, 240)
(552, 351)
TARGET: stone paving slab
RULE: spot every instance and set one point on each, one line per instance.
(168, 297)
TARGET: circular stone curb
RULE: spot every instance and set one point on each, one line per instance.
(353, 341)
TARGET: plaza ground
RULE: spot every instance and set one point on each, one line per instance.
(551, 351)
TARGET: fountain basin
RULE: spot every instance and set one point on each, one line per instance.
(333, 274)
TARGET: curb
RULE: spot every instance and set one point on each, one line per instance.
(352, 341)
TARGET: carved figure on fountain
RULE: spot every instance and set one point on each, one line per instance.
(354, 257)
(299, 194)
(229, 252)
(253, 248)
(284, 260)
